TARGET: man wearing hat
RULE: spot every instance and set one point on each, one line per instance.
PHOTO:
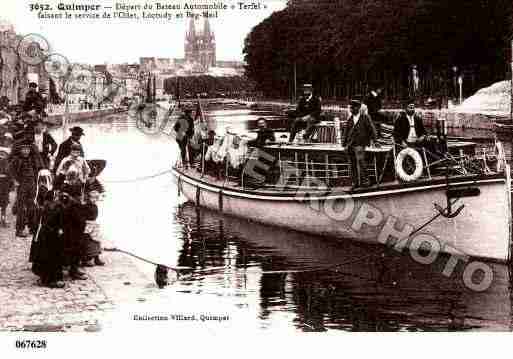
(359, 133)
(44, 142)
(65, 147)
(409, 129)
(33, 99)
(184, 128)
(307, 113)
(24, 167)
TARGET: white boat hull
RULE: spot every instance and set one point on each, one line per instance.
(482, 229)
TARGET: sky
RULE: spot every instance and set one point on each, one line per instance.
(118, 41)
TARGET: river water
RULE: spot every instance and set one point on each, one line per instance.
(267, 278)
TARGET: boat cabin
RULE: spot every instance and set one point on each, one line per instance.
(323, 162)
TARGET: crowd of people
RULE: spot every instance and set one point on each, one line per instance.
(56, 194)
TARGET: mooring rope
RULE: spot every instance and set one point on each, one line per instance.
(142, 178)
(178, 269)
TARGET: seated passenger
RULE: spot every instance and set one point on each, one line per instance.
(307, 113)
(237, 156)
(212, 150)
(212, 160)
(264, 135)
(220, 155)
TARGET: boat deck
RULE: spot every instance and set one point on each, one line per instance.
(276, 190)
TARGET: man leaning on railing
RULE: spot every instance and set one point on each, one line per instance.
(409, 130)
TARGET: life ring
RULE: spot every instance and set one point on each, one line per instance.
(417, 161)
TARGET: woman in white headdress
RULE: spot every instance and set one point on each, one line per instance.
(74, 163)
(220, 155)
(238, 152)
(212, 150)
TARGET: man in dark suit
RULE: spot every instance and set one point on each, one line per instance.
(307, 113)
(359, 133)
(184, 128)
(264, 134)
(24, 166)
(409, 131)
(33, 99)
(65, 147)
(44, 142)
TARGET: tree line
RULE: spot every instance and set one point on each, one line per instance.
(344, 47)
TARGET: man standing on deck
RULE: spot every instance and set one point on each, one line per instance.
(184, 128)
(307, 113)
(359, 133)
(409, 129)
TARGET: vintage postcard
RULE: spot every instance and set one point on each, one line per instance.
(194, 170)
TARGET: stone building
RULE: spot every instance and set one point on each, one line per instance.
(14, 72)
(200, 46)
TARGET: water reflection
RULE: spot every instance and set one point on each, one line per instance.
(303, 275)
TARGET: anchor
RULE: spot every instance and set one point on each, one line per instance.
(457, 193)
(447, 212)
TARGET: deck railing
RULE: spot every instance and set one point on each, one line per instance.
(308, 171)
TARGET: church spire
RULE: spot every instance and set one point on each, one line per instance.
(192, 30)
(207, 32)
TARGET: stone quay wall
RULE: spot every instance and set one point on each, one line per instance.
(84, 116)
